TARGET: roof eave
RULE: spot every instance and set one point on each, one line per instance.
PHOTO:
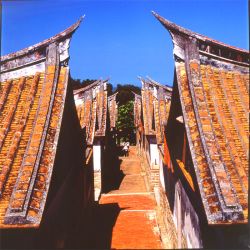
(172, 27)
(66, 33)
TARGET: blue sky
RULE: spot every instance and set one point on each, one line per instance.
(121, 39)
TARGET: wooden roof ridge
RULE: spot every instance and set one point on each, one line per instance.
(213, 112)
(143, 81)
(48, 89)
(101, 112)
(136, 95)
(60, 36)
(112, 96)
(153, 82)
(172, 27)
(97, 82)
(92, 85)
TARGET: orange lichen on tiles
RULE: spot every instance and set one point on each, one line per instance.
(101, 112)
(87, 113)
(214, 95)
(243, 93)
(91, 105)
(155, 105)
(212, 147)
(150, 109)
(5, 87)
(157, 121)
(144, 109)
(222, 117)
(112, 107)
(92, 124)
(18, 133)
(16, 200)
(38, 196)
(231, 150)
(236, 107)
(34, 143)
(29, 97)
(199, 156)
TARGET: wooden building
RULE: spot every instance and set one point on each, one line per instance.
(41, 172)
(155, 108)
(207, 141)
(91, 105)
(151, 114)
(138, 122)
(113, 110)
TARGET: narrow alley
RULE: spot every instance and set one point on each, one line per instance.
(126, 216)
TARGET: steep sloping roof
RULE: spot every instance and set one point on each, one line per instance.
(156, 100)
(32, 96)
(113, 110)
(91, 106)
(213, 84)
(137, 110)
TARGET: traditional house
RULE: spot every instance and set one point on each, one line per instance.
(207, 141)
(41, 172)
(155, 108)
(113, 110)
(138, 123)
(91, 105)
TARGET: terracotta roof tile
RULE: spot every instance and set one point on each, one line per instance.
(137, 111)
(214, 94)
(156, 105)
(91, 105)
(31, 106)
(113, 110)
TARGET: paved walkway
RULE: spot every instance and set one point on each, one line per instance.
(134, 223)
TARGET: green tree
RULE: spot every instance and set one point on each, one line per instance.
(125, 93)
(125, 122)
(109, 89)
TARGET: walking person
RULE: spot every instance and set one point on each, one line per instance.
(125, 149)
(128, 148)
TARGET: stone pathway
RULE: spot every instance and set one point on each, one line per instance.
(135, 225)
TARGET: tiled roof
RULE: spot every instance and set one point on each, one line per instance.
(156, 100)
(213, 84)
(91, 106)
(137, 111)
(32, 95)
(113, 110)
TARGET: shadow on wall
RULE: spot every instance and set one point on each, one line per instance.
(112, 176)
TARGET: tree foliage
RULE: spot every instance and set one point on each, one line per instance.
(125, 93)
(125, 98)
(125, 121)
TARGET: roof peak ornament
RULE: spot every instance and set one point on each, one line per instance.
(56, 38)
(32, 59)
(207, 46)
